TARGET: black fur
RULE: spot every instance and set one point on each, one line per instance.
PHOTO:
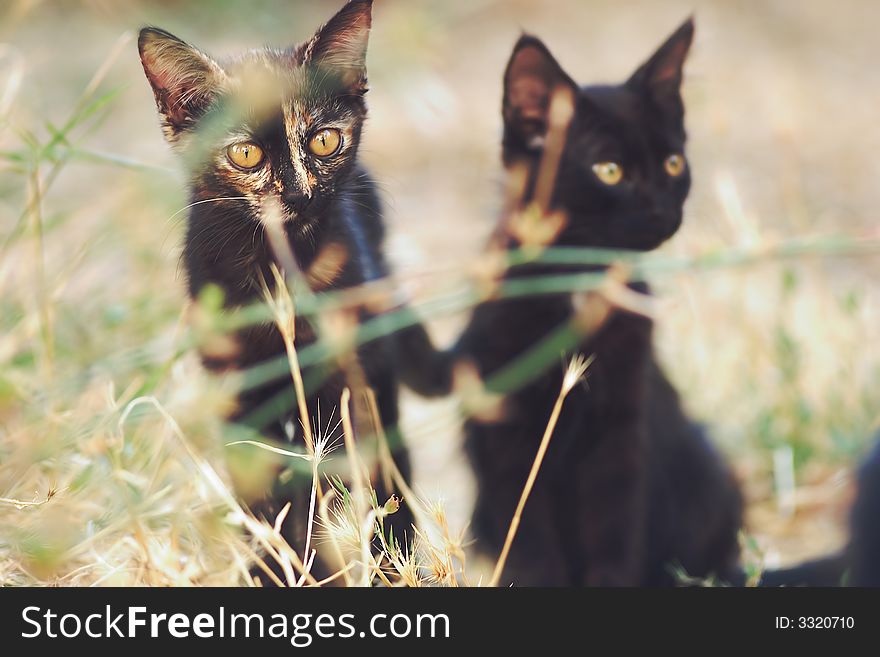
(865, 543)
(630, 487)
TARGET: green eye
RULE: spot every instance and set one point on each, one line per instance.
(609, 173)
(674, 165)
(245, 155)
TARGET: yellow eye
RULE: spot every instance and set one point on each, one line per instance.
(609, 173)
(245, 155)
(674, 165)
(325, 142)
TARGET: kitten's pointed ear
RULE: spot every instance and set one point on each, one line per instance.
(340, 46)
(184, 79)
(530, 80)
(661, 75)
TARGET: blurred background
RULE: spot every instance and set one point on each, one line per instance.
(777, 357)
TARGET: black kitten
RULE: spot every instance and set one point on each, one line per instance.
(273, 136)
(630, 488)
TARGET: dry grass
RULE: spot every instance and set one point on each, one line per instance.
(113, 466)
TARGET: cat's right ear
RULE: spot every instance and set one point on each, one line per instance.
(184, 80)
(531, 78)
(340, 47)
(661, 76)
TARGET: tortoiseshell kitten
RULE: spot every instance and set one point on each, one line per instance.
(277, 131)
(629, 487)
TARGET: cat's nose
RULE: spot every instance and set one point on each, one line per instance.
(296, 202)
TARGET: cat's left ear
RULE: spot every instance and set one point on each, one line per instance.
(531, 78)
(340, 46)
(660, 77)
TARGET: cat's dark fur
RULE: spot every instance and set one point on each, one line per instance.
(278, 99)
(864, 547)
(630, 487)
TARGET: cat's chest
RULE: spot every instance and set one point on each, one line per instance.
(518, 338)
(501, 332)
(530, 333)
(260, 343)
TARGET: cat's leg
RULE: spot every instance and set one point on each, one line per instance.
(610, 503)
(289, 481)
(696, 505)
(420, 365)
(720, 553)
(384, 383)
(537, 556)
(610, 476)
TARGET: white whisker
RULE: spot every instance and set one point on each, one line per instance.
(207, 200)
